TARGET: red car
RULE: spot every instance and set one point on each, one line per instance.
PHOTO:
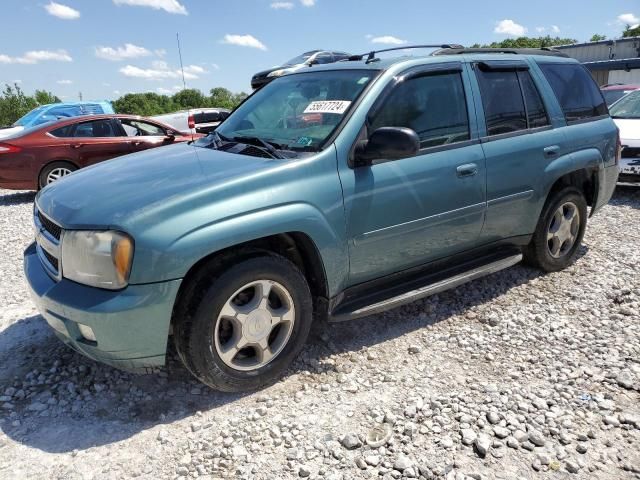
(39, 156)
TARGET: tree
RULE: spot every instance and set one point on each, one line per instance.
(223, 98)
(529, 42)
(598, 38)
(14, 104)
(631, 31)
(45, 98)
(190, 98)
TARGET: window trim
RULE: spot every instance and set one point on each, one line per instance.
(412, 74)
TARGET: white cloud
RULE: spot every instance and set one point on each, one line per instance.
(161, 52)
(62, 11)
(388, 40)
(64, 82)
(628, 19)
(308, 3)
(282, 5)
(244, 41)
(170, 6)
(36, 56)
(555, 29)
(215, 66)
(509, 27)
(121, 53)
(160, 70)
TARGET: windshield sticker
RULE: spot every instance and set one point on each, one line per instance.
(328, 106)
(305, 141)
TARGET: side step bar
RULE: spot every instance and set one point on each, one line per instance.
(430, 289)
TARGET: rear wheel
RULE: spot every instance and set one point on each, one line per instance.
(560, 230)
(247, 323)
(54, 171)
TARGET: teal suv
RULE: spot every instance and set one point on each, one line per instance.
(331, 194)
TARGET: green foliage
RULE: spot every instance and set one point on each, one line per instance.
(45, 98)
(148, 104)
(630, 31)
(597, 38)
(14, 104)
(529, 42)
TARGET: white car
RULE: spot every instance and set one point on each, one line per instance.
(626, 114)
(196, 120)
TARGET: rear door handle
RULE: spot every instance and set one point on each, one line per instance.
(551, 151)
(467, 170)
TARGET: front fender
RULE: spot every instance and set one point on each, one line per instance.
(177, 258)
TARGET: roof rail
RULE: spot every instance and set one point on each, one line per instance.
(457, 50)
(372, 54)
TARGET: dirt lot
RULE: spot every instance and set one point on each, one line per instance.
(515, 376)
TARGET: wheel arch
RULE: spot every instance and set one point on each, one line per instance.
(581, 169)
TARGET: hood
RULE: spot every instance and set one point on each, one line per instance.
(629, 128)
(9, 131)
(142, 188)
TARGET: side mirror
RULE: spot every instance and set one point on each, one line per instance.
(170, 137)
(387, 143)
(313, 62)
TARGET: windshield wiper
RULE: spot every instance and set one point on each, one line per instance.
(270, 147)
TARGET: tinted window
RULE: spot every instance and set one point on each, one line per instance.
(612, 96)
(97, 128)
(576, 91)
(206, 117)
(136, 128)
(62, 131)
(324, 57)
(536, 113)
(434, 106)
(502, 101)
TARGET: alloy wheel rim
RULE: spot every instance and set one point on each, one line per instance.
(563, 230)
(254, 325)
(57, 173)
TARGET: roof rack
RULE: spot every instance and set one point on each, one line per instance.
(458, 50)
(371, 56)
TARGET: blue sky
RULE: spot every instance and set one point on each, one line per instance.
(105, 48)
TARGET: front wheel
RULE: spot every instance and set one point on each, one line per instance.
(560, 230)
(247, 325)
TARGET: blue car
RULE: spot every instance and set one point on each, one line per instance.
(56, 111)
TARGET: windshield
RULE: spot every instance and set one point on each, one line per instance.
(296, 112)
(627, 107)
(301, 58)
(612, 96)
(29, 117)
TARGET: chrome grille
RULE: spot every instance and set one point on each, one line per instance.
(48, 243)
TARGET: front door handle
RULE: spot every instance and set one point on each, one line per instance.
(467, 170)
(551, 151)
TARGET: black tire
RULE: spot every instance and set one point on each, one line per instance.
(538, 252)
(44, 173)
(202, 301)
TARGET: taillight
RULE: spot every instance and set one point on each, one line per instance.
(6, 148)
(192, 122)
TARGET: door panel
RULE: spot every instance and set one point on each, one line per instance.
(95, 150)
(408, 212)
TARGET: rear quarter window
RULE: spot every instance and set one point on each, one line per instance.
(575, 90)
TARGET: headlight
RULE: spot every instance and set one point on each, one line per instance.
(98, 259)
(278, 73)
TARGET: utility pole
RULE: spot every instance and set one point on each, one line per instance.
(80, 95)
(184, 83)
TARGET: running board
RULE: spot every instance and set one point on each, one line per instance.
(428, 290)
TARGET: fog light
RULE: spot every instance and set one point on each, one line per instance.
(87, 333)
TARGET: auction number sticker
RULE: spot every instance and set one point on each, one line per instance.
(328, 106)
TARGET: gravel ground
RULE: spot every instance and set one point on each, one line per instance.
(515, 376)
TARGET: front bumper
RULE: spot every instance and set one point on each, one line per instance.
(629, 171)
(131, 326)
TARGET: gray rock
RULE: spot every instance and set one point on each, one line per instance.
(625, 380)
(572, 466)
(351, 442)
(304, 471)
(468, 436)
(402, 463)
(373, 460)
(611, 420)
(501, 432)
(536, 437)
(482, 444)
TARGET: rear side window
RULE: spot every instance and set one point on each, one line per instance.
(536, 113)
(62, 132)
(576, 91)
(434, 106)
(502, 100)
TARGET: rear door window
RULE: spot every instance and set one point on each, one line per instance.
(95, 129)
(434, 106)
(138, 128)
(504, 109)
(575, 90)
(536, 113)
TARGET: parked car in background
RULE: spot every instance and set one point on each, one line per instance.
(333, 193)
(37, 157)
(196, 120)
(626, 114)
(307, 59)
(56, 111)
(615, 91)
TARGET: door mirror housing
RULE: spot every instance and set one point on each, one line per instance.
(387, 143)
(170, 136)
